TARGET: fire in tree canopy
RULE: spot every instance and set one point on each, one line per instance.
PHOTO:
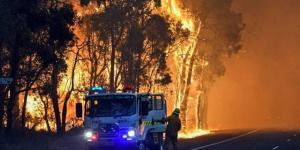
(173, 46)
(132, 39)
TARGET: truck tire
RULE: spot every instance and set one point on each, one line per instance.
(150, 144)
(157, 147)
(143, 146)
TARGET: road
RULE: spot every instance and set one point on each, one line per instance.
(245, 140)
(230, 140)
(218, 140)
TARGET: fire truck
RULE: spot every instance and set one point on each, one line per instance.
(123, 118)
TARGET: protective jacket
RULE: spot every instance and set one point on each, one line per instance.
(174, 125)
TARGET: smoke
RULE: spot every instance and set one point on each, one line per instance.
(261, 87)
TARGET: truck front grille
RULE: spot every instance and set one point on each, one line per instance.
(109, 130)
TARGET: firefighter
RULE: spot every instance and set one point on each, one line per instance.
(173, 126)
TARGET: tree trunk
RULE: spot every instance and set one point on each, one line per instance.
(46, 116)
(24, 110)
(2, 98)
(1, 107)
(46, 106)
(54, 97)
(199, 108)
(181, 80)
(64, 114)
(112, 62)
(65, 108)
(138, 73)
(14, 67)
(202, 106)
(92, 61)
(200, 100)
(27, 86)
(205, 109)
(1, 94)
(68, 95)
(130, 74)
(46, 119)
(184, 103)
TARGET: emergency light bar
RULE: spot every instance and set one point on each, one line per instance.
(97, 90)
(128, 88)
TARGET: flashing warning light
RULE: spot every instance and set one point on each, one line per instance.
(131, 133)
(88, 134)
(124, 136)
(128, 88)
(97, 90)
(94, 137)
(91, 136)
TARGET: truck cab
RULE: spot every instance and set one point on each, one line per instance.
(124, 118)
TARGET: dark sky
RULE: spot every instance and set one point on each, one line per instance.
(261, 87)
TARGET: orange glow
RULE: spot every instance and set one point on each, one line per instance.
(188, 47)
(181, 59)
(32, 106)
(175, 10)
(193, 134)
(35, 110)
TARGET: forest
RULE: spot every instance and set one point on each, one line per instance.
(55, 50)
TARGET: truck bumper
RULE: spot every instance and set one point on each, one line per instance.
(113, 142)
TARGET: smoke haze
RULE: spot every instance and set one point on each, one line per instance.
(261, 87)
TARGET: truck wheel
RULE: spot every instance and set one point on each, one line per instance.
(157, 147)
(160, 144)
(144, 146)
(150, 145)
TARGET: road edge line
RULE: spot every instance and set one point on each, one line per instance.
(225, 141)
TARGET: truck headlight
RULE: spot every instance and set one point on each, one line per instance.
(131, 133)
(88, 134)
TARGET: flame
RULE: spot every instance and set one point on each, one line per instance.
(32, 106)
(35, 110)
(176, 11)
(172, 8)
(193, 134)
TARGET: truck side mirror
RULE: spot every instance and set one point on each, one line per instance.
(78, 110)
(145, 108)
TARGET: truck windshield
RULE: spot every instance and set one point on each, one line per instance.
(111, 106)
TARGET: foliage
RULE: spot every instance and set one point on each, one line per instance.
(35, 35)
(139, 37)
(125, 42)
(219, 39)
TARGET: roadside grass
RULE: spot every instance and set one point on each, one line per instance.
(35, 140)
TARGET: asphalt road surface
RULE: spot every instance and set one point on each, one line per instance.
(245, 140)
(218, 140)
(242, 140)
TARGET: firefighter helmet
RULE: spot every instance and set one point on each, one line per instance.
(177, 111)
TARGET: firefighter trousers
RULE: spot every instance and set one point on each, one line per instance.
(170, 143)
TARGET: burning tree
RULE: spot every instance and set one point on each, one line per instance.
(150, 44)
(34, 39)
(138, 42)
(216, 34)
(133, 36)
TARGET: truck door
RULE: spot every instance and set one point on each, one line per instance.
(157, 111)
